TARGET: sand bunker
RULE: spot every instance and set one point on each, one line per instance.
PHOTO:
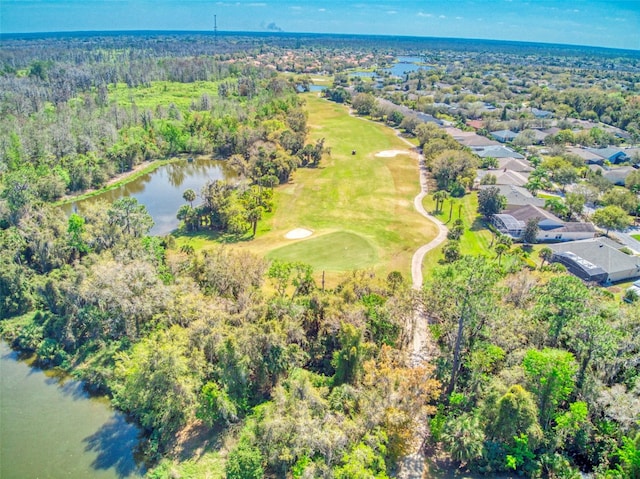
(298, 233)
(391, 153)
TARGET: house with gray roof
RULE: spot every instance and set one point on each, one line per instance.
(512, 222)
(504, 136)
(505, 177)
(588, 157)
(496, 151)
(541, 113)
(516, 196)
(610, 154)
(469, 138)
(618, 176)
(595, 260)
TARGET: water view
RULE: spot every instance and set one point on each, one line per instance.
(51, 428)
(161, 190)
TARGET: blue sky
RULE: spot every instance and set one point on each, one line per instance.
(607, 23)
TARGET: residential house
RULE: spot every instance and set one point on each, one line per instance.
(515, 164)
(610, 154)
(551, 228)
(541, 113)
(505, 177)
(516, 196)
(469, 138)
(476, 124)
(595, 260)
(588, 157)
(504, 136)
(496, 151)
(617, 176)
(539, 136)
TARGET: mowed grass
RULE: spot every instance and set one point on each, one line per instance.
(162, 93)
(367, 199)
(339, 251)
(476, 238)
(636, 237)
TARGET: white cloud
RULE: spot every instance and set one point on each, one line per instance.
(322, 9)
(257, 5)
(458, 18)
(391, 12)
(442, 16)
(422, 14)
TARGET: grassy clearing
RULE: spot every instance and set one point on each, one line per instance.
(209, 465)
(162, 93)
(636, 237)
(476, 238)
(369, 197)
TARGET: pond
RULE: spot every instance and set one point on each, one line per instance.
(50, 428)
(161, 190)
(407, 65)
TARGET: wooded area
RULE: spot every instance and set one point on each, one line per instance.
(528, 372)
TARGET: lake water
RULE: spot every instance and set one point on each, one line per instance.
(161, 190)
(406, 65)
(51, 429)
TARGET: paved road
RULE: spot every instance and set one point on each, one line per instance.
(630, 242)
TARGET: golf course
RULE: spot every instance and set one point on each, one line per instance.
(357, 207)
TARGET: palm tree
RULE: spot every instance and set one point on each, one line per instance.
(463, 437)
(440, 196)
(501, 249)
(254, 214)
(451, 202)
(545, 255)
(190, 196)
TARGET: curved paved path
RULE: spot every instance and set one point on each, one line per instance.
(418, 256)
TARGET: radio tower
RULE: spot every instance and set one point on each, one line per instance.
(215, 29)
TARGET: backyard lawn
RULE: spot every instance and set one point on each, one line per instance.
(476, 238)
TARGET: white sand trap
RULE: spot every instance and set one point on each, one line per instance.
(391, 153)
(298, 233)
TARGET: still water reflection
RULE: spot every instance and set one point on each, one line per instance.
(52, 429)
(161, 190)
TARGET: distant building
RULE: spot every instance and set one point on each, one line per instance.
(588, 157)
(470, 139)
(541, 113)
(610, 154)
(504, 136)
(595, 260)
(496, 151)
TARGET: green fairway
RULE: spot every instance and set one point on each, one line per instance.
(362, 199)
(339, 251)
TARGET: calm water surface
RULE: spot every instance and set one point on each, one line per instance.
(161, 190)
(52, 429)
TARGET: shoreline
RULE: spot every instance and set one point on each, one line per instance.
(123, 178)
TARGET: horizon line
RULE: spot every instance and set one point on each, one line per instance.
(325, 34)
